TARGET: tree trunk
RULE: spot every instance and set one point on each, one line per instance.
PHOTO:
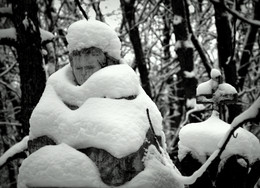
(96, 7)
(249, 43)
(128, 10)
(32, 73)
(225, 53)
(186, 87)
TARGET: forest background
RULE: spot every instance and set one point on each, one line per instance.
(172, 45)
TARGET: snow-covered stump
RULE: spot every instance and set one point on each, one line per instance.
(239, 164)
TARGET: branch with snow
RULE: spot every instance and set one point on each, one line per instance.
(15, 149)
(8, 36)
(46, 36)
(251, 113)
(6, 11)
(197, 108)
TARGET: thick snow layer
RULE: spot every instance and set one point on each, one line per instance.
(58, 166)
(204, 88)
(214, 73)
(9, 33)
(46, 35)
(63, 166)
(207, 87)
(93, 33)
(201, 139)
(214, 84)
(103, 120)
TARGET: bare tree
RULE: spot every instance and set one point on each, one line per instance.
(128, 9)
(184, 49)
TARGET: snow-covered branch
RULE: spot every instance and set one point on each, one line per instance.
(6, 11)
(250, 113)
(46, 36)
(8, 36)
(17, 148)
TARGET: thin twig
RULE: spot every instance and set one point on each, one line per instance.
(255, 23)
(7, 70)
(151, 126)
(11, 123)
(9, 87)
(81, 9)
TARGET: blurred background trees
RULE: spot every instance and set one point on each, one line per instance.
(172, 45)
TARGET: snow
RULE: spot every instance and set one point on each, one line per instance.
(159, 172)
(212, 85)
(201, 139)
(188, 74)
(8, 33)
(46, 35)
(177, 19)
(93, 33)
(227, 89)
(6, 10)
(214, 73)
(58, 166)
(103, 120)
(17, 148)
(204, 88)
(63, 166)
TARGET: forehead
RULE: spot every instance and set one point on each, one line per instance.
(88, 51)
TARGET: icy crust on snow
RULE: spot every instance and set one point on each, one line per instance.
(58, 166)
(93, 33)
(63, 166)
(201, 139)
(104, 119)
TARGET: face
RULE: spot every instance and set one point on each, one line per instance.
(84, 65)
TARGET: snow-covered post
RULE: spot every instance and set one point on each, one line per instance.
(216, 92)
(238, 165)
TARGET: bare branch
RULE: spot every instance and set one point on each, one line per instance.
(7, 70)
(81, 9)
(235, 13)
(196, 43)
(9, 87)
(11, 123)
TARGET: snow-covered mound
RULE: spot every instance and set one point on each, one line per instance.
(104, 118)
(56, 166)
(201, 139)
(63, 166)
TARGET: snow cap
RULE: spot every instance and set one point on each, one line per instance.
(214, 73)
(93, 33)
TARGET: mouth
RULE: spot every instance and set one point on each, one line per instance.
(113, 171)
